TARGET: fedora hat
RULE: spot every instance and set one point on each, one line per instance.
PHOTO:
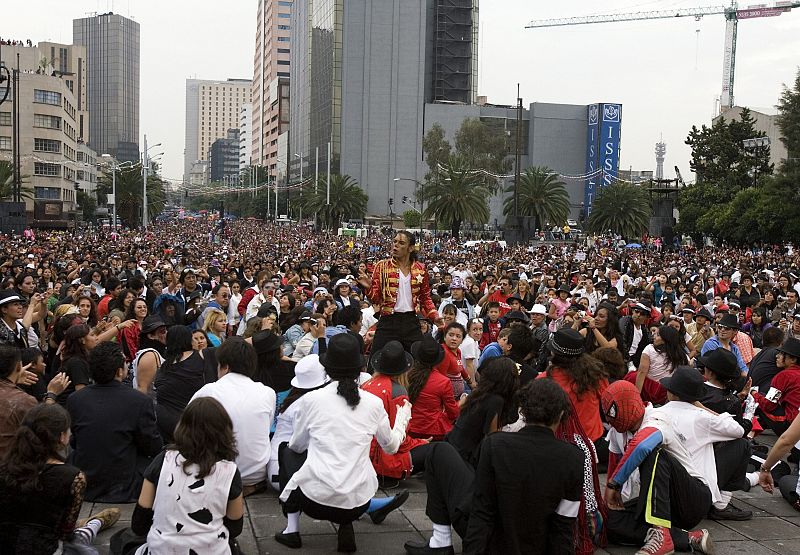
(428, 351)
(264, 341)
(722, 362)
(704, 313)
(392, 360)
(152, 323)
(567, 342)
(791, 347)
(686, 383)
(729, 321)
(9, 296)
(343, 354)
(517, 315)
(309, 373)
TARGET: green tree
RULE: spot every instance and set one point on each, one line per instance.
(7, 183)
(789, 123)
(347, 200)
(542, 197)
(485, 148)
(129, 193)
(436, 148)
(458, 195)
(88, 206)
(411, 219)
(622, 208)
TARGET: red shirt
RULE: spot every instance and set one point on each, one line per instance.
(434, 411)
(490, 332)
(587, 405)
(784, 392)
(452, 364)
(500, 297)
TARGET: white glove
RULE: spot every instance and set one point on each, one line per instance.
(401, 419)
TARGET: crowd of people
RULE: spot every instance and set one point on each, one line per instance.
(185, 367)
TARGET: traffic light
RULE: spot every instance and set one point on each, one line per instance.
(405, 199)
(391, 201)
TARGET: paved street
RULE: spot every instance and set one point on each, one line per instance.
(775, 527)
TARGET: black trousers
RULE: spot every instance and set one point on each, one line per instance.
(450, 483)
(400, 326)
(668, 497)
(290, 462)
(418, 456)
(732, 458)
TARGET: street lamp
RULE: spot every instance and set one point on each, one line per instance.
(752, 146)
(114, 167)
(145, 168)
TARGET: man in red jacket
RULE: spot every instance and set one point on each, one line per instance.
(780, 406)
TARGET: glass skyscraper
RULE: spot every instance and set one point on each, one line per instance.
(112, 95)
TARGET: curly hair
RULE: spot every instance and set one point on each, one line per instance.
(612, 360)
(204, 435)
(584, 371)
(543, 402)
(499, 376)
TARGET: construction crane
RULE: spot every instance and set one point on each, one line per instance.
(732, 15)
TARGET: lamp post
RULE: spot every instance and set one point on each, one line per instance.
(145, 168)
(752, 146)
(114, 167)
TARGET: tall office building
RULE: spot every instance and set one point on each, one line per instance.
(224, 158)
(455, 51)
(112, 88)
(271, 72)
(212, 107)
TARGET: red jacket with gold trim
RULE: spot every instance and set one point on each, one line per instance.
(385, 281)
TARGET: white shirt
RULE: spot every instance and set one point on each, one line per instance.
(469, 350)
(367, 320)
(283, 428)
(251, 406)
(637, 338)
(403, 303)
(338, 471)
(689, 434)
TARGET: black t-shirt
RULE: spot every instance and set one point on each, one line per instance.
(720, 400)
(154, 471)
(763, 368)
(176, 383)
(472, 426)
(77, 370)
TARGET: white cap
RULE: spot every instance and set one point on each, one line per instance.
(538, 309)
(309, 373)
(341, 281)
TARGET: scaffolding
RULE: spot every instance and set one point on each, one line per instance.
(454, 66)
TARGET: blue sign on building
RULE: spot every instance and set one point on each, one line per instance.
(602, 149)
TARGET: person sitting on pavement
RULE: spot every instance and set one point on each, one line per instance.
(764, 365)
(508, 505)
(41, 495)
(114, 434)
(779, 407)
(250, 405)
(727, 328)
(789, 486)
(434, 410)
(679, 469)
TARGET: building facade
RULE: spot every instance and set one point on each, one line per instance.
(767, 123)
(245, 133)
(455, 51)
(271, 72)
(224, 158)
(212, 108)
(112, 85)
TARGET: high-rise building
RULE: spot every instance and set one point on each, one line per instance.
(360, 79)
(271, 72)
(225, 158)
(245, 132)
(212, 107)
(55, 161)
(112, 85)
(455, 51)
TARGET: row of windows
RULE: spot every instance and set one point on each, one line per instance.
(69, 108)
(284, 27)
(5, 143)
(47, 145)
(5, 118)
(69, 131)
(47, 97)
(46, 121)
(284, 51)
(69, 152)
(47, 193)
(69, 174)
(46, 170)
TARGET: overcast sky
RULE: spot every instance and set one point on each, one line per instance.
(665, 73)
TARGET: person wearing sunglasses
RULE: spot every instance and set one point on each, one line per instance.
(727, 328)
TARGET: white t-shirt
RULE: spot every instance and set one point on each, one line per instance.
(660, 366)
(469, 350)
(637, 338)
(403, 303)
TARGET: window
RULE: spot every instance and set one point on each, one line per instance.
(47, 170)
(283, 62)
(5, 118)
(47, 97)
(283, 39)
(5, 143)
(284, 51)
(284, 3)
(46, 145)
(284, 27)
(48, 122)
(283, 74)
(285, 15)
(47, 193)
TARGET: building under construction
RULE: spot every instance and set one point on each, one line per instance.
(455, 52)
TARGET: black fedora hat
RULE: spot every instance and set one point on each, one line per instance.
(392, 360)
(428, 351)
(686, 383)
(567, 342)
(343, 354)
(791, 347)
(264, 341)
(729, 321)
(703, 312)
(151, 324)
(517, 315)
(722, 362)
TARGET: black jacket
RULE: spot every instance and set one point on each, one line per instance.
(626, 327)
(523, 480)
(114, 436)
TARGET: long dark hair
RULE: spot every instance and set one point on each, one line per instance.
(72, 342)
(119, 302)
(499, 376)
(37, 439)
(673, 346)
(417, 378)
(204, 435)
(294, 394)
(347, 385)
(179, 340)
(585, 371)
(611, 330)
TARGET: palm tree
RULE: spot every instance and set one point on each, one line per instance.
(622, 208)
(129, 194)
(347, 199)
(7, 183)
(542, 197)
(457, 194)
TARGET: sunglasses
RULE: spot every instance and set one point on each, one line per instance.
(724, 328)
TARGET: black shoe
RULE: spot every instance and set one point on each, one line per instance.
(289, 540)
(422, 548)
(730, 512)
(380, 515)
(346, 538)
